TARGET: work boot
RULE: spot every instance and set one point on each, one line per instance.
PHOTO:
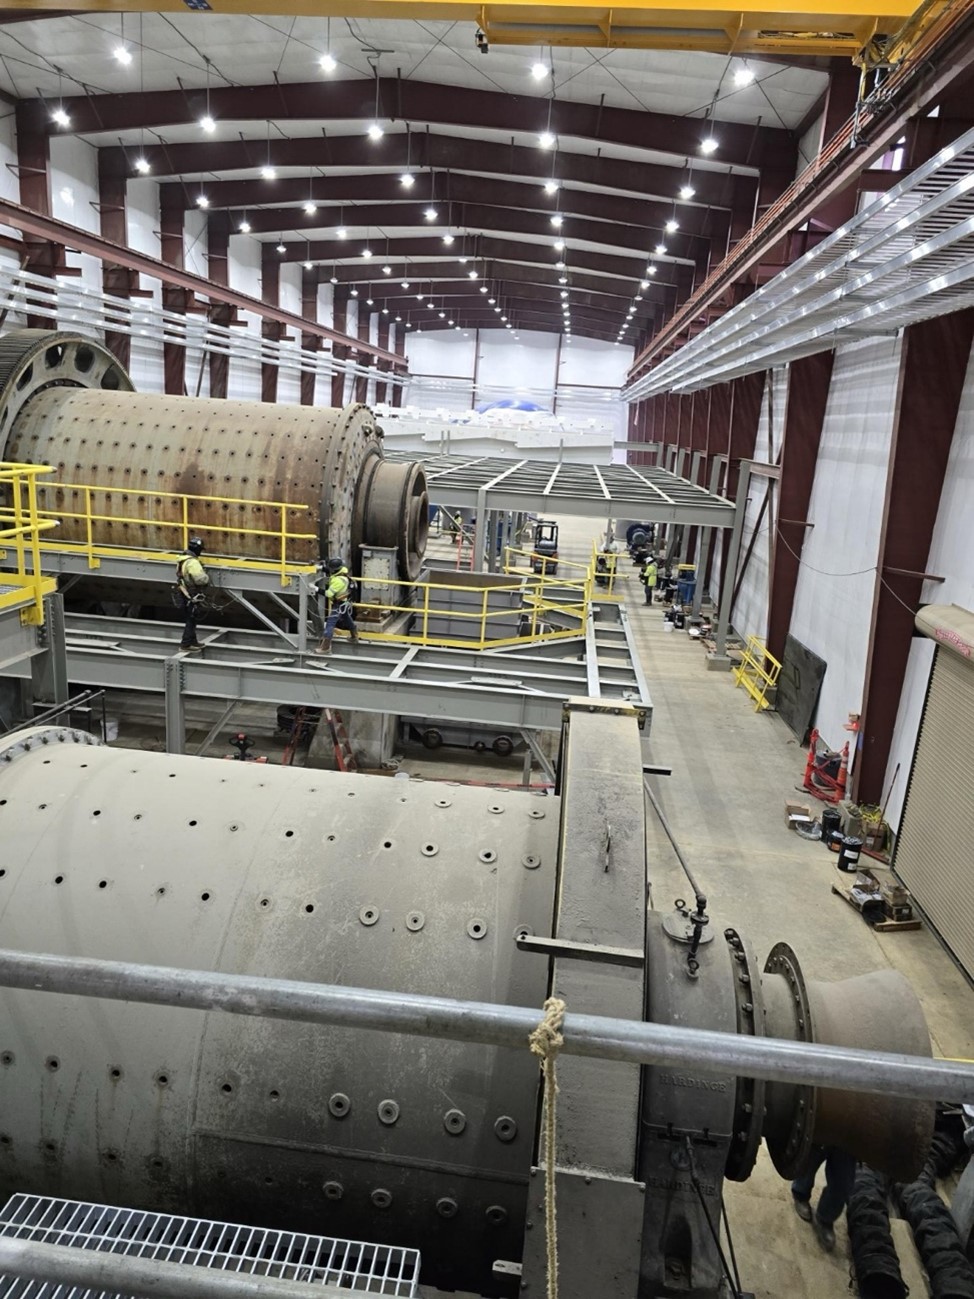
(802, 1208)
(825, 1234)
(354, 637)
(191, 649)
(324, 645)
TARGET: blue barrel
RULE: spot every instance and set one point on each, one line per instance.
(685, 588)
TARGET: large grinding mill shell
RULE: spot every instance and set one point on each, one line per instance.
(66, 402)
(318, 876)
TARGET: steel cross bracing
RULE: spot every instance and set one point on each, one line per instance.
(519, 689)
(588, 491)
(907, 256)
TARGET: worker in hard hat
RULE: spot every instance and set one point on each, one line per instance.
(335, 588)
(648, 578)
(456, 524)
(192, 580)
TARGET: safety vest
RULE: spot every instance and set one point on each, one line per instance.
(338, 586)
(649, 573)
(191, 576)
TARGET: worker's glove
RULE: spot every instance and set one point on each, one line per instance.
(197, 598)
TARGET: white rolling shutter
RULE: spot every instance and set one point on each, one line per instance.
(935, 851)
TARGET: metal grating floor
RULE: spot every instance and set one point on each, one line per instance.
(199, 1242)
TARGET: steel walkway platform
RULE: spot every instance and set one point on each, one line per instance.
(520, 689)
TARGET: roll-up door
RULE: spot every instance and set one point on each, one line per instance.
(935, 850)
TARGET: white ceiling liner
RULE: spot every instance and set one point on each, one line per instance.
(251, 50)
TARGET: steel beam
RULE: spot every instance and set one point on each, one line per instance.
(933, 366)
(454, 188)
(808, 391)
(441, 153)
(517, 689)
(741, 144)
(172, 685)
(628, 1041)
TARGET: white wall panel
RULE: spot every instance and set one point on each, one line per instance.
(951, 557)
(833, 599)
(74, 198)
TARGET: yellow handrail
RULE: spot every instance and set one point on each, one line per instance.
(419, 604)
(21, 524)
(757, 672)
(190, 519)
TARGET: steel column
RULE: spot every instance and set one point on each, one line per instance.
(270, 293)
(116, 280)
(361, 382)
(808, 391)
(217, 265)
(49, 669)
(339, 320)
(629, 1041)
(310, 342)
(174, 297)
(172, 671)
(933, 366)
(706, 541)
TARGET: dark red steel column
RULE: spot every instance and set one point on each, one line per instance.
(339, 353)
(220, 313)
(33, 174)
(116, 280)
(361, 382)
(270, 292)
(933, 365)
(173, 298)
(399, 346)
(718, 442)
(382, 338)
(808, 391)
(745, 414)
(699, 425)
(309, 342)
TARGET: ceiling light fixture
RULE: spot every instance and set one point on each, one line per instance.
(244, 227)
(672, 226)
(341, 233)
(404, 284)
(306, 265)
(430, 214)
(644, 284)
(142, 166)
(546, 140)
(370, 302)
(122, 55)
(687, 192)
(539, 70)
(559, 266)
(559, 245)
(354, 293)
(60, 117)
(268, 172)
(202, 201)
(407, 180)
(557, 221)
(448, 239)
(327, 63)
(310, 207)
(282, 249)
(743, 76)
(366, 253)
(375, 131)
(387, 270)
(708, 145)
(650, 270)
(551, 187)
(472, 275)
(207, 123)
(660, 250)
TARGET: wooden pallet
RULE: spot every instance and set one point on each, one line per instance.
(881, 926)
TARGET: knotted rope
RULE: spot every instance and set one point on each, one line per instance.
(546, 1041)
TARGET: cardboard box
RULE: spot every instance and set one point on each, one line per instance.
(797, 814)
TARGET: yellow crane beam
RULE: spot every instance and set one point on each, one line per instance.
(814, 27)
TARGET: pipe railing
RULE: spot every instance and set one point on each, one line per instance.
(632, 1041)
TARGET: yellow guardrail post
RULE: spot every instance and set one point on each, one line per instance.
(426, 611)
(34, 538)
(18, 511)
(285, 580)
(483, 618)
(184, 527)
